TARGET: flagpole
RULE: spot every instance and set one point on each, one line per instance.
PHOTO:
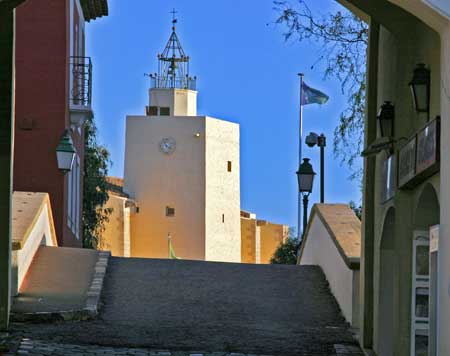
(299, 210)
(168, 243)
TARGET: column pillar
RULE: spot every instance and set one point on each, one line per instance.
(368, 235)
(443, 311)
(6, 150)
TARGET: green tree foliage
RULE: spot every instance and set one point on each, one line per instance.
(286, 253)
(357, 209)
(343, 40)
(96, 162)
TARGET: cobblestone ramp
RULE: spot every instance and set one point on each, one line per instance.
(187, 305)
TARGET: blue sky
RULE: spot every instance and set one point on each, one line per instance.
(246, 73)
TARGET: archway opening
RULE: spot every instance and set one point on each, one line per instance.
(424, 275)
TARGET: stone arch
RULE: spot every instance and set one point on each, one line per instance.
(426, 213)
(386, 334)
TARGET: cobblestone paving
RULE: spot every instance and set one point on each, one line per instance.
(37, 348)
(185, 305)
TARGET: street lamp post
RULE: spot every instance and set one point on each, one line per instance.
(305, 176)
(321, 141)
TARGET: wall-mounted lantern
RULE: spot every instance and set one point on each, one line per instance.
(385, 118)
(65, 153)
(420, 88)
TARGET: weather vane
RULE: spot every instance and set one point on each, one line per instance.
(174, 12)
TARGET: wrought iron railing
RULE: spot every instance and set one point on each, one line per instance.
(81, 81)
(168, 83)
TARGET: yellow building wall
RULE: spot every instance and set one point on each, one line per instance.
(271, 237)
(156, 180)
(113, 235)
(248, 240)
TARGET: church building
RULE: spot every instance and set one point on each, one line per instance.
(182, 170)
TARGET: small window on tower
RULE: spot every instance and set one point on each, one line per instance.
(223, 218)
(170, 212)
(164, 111)
(152, 110)
(229, 166)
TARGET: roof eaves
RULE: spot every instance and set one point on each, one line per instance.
(93, 9)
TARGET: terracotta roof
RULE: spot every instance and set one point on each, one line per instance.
(93, 9)
(245, 214)
(115, 186)
(344, 228)
(26, 209)
(248, 215)
(115, 181)
(262, 222)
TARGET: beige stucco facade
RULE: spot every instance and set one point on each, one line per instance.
(394, 320)
(199, 178)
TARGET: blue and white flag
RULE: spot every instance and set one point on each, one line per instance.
(312, 96)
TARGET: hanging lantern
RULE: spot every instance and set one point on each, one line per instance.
(420, 88)
(385, 118)
(65, 153)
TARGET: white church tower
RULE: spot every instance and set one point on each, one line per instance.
(182, 170)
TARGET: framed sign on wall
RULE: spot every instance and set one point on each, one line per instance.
(407, 162)
(427, 150)
(389, 181)
(419, 158)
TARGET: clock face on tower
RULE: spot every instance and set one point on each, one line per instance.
(167, 145)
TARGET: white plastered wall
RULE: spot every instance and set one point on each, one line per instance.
(222, 216)
(182, 102)
(320, 250)
(41, 234)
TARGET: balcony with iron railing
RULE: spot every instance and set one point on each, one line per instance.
(80, 90)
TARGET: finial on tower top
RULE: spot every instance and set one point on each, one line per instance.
(174, 20)
(173, 68)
